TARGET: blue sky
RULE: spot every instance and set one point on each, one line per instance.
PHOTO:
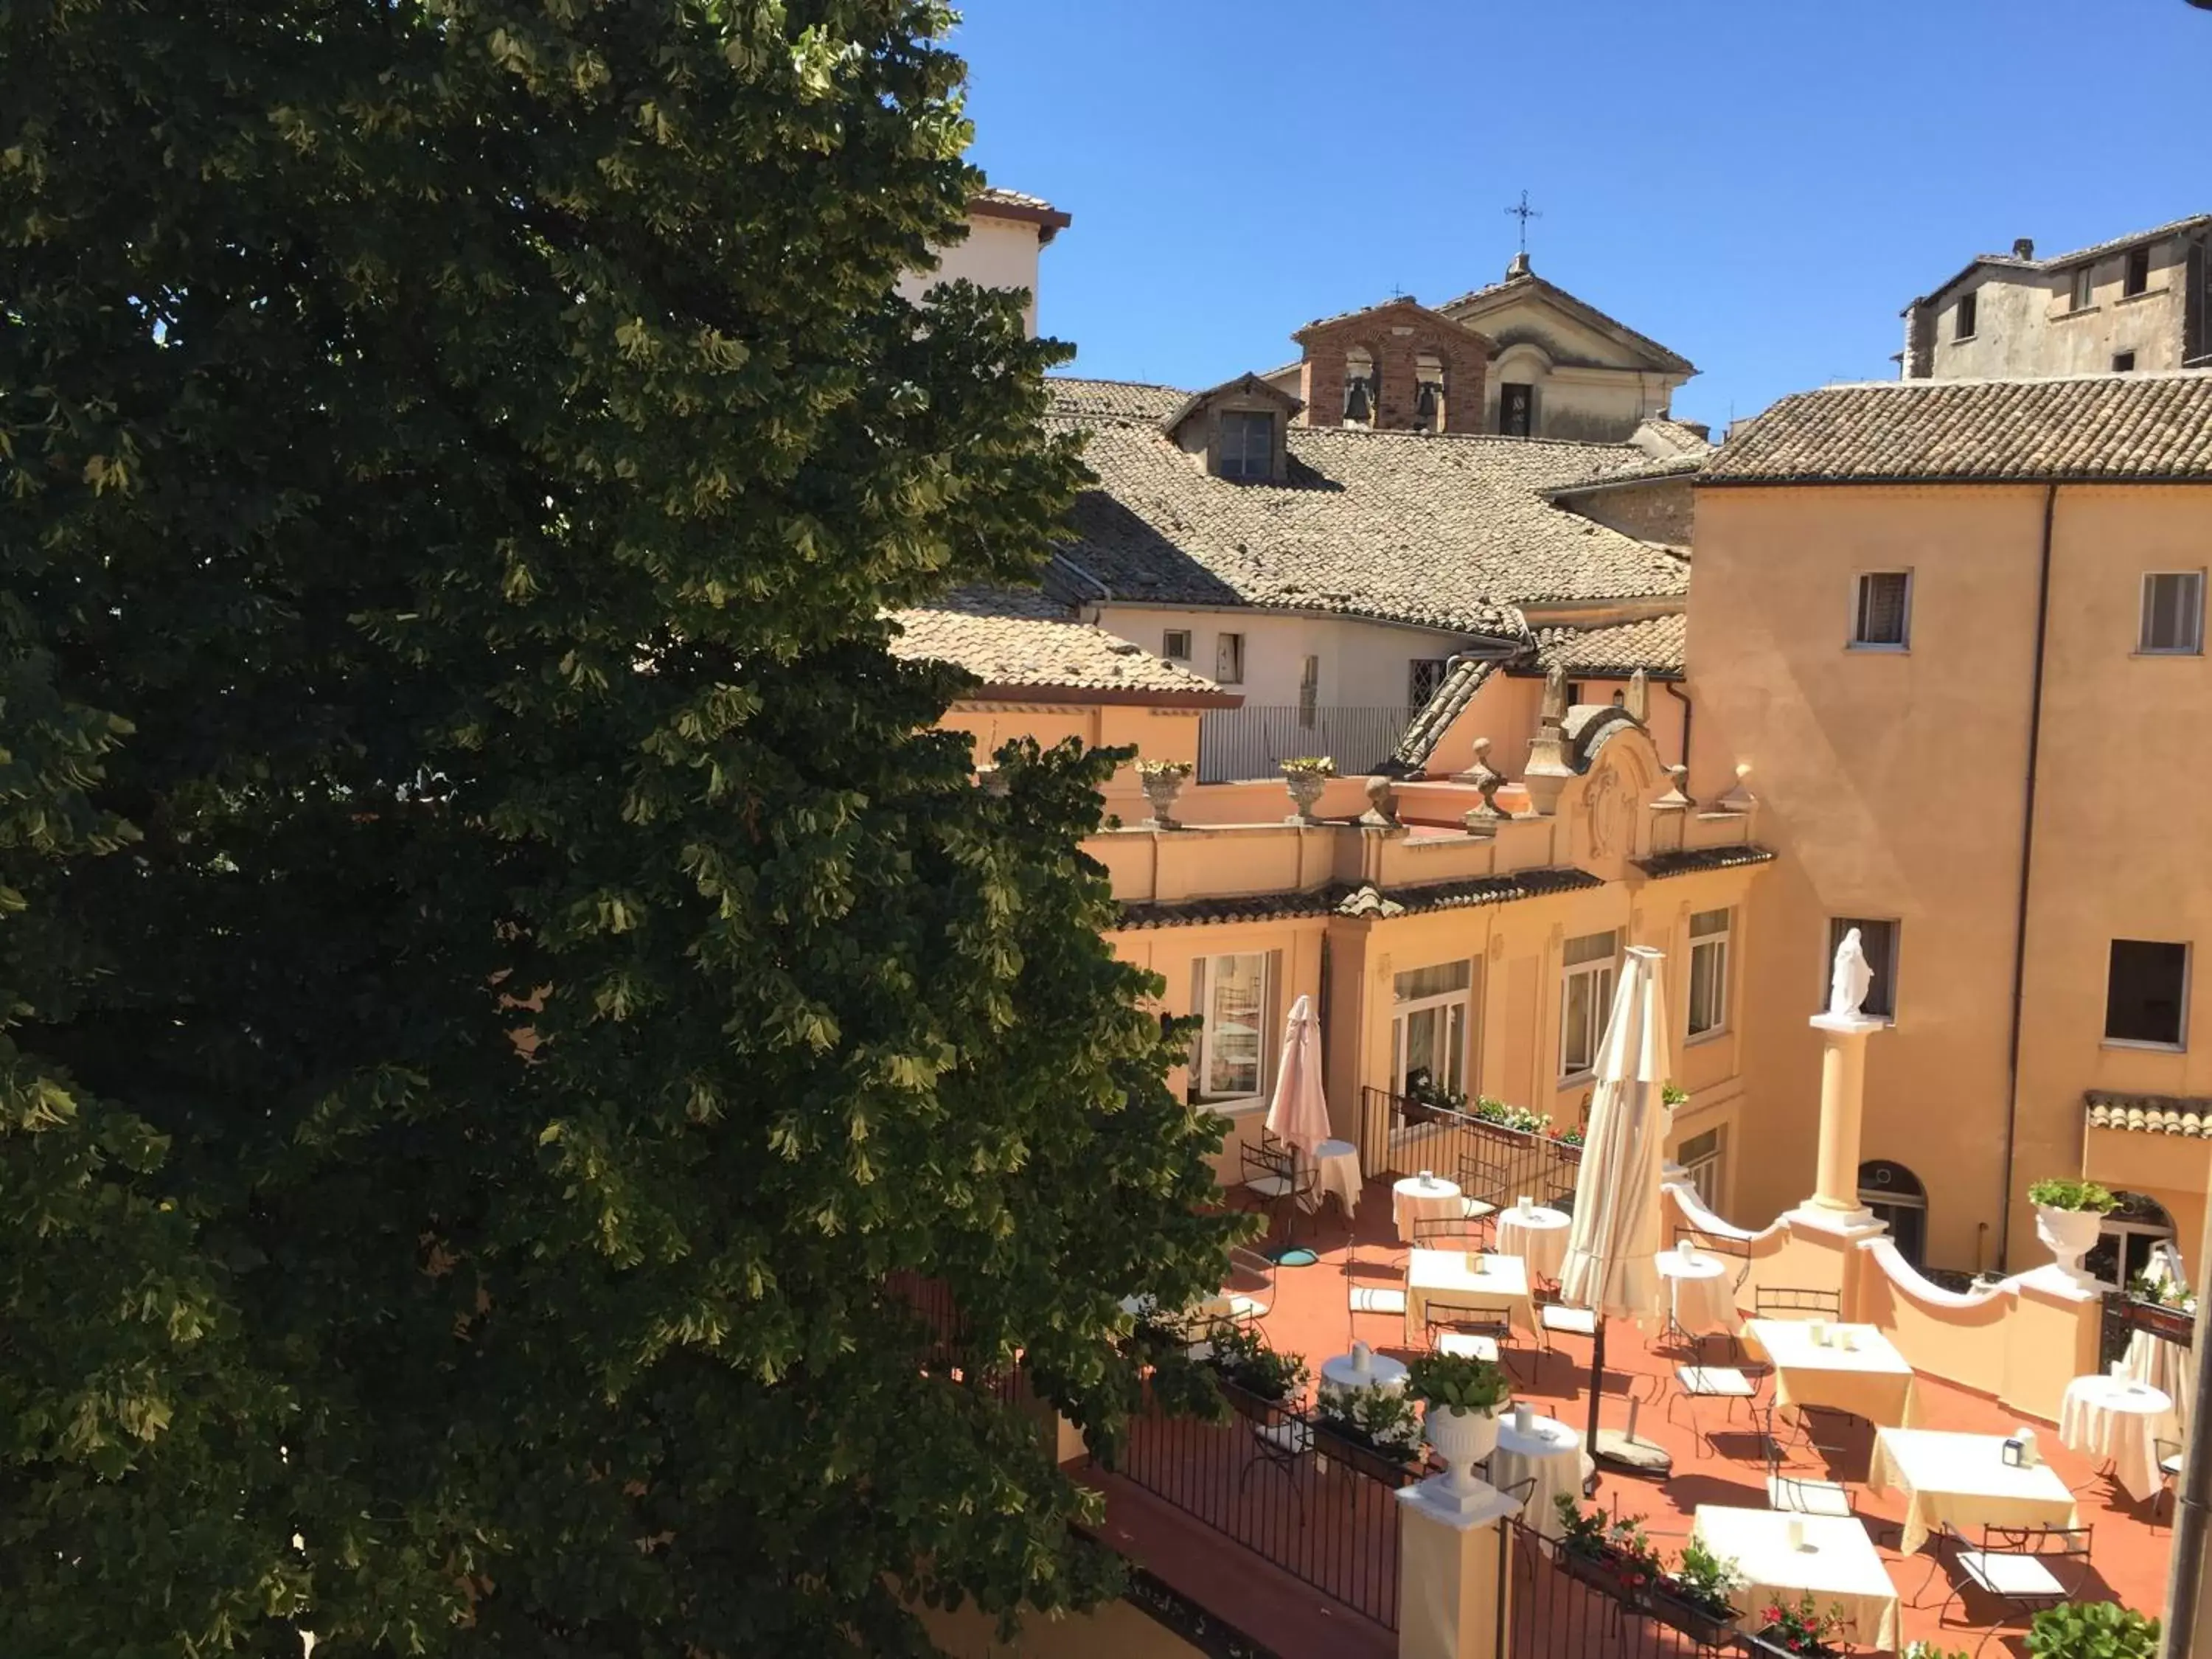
(1762, 187)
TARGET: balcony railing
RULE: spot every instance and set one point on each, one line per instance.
(1253, 742)
(1494, 1162)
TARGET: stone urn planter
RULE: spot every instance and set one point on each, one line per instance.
(1462, 1439)
(1305, 780)
(1162, 783)
(2068, 1235)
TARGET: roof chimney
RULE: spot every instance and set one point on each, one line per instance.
(2023, 247)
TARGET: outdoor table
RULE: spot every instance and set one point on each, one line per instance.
(1704, 1301)
(1538, 1236)
(1363, 1369)
(1837, 1563)
(1464, 1279)
(1856, 1370)
(1336, 1169)
(1551, 1455)
(2114, 1418)
(1423, 1197)
(1964, 1480)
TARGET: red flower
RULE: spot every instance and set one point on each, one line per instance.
(1772, 1616)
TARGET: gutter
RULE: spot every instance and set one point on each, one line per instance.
(1689, 712)
(2026, 871)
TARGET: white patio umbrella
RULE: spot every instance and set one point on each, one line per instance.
(1298, 1114)
(1613, 1246)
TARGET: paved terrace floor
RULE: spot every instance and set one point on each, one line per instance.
(1311, 1316)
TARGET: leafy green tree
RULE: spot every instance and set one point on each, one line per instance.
(506, 987)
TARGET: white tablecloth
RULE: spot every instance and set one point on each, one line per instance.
(2114, 1418)
(1837, 1564)
(1479, 1282)
(1336, 1169)
(2170, 1368)
(1551, 1454)
(1963, 1478)
(1343, 1372)
(1539, 1238)
(1868, 1378)
(1704, 1293)
(1416, 1199)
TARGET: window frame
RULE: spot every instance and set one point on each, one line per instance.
(1859, 589)
(1401, 1013)
(1720, 943)
(1705, 1169)
(1605, 971)
(2081, 289)
(2124, 363)
(1885, 974)
(1168, 638)
(1528, 428)
(1233, 644)
(2136, 260)
(1203, 984)
(2144, 647)
(2179, 1045)
(1243, 421)
(1965, 315)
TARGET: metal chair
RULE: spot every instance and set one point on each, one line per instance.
(1793, 1302)
(1448, 1233)
(1273, 1182)
(2169, 1454)
(1797, 1494)
(2013, 1568)
(1722, 1382)
(1468, 1332)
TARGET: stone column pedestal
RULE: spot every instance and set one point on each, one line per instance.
(1843, 1097)
(1453, 1585)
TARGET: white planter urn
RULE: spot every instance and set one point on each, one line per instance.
(1305, 789)
(2070, 1234)
(1462, 1439)
(1161, 789)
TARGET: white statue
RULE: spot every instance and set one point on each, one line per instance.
(1851, 978)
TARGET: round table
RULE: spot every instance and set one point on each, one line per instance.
(1348, 1373)
(1702, 1298)
(1424, 1198)
(1538, 1236)
(1551, 1453)
(1336, 1169)
(2111, 1418)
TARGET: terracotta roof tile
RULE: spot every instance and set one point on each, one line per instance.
(1011, 639)
(1654, 645)
(1450, 532)
(2161, 1114)
(1661, 866)
(1362, 899)
(1427, 728)
(2086, 428)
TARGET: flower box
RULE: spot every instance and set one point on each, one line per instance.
(1769, 1644)
(1246, 1403)
(1606, 1572)
(1355, 1451)
(2172, 1323)
(1695, 1619)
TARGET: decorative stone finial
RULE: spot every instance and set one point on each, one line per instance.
(1740, 798)
(1554, 710)
(1548, 771)
(1676, 798)
(1381, 811)
(1483, 820)
(1639, 701)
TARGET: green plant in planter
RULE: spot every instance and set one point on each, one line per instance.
(1381, 1418)
(1163, 768)
(1243, 1357)
(1673, 1094)
(1930, 1651)
(1800, 1626)
(1580, 1532)
(1640, 1566)
(1704, 1579)
(2093, 1630)
(2057, 1192)
(1457, 1383)
(1309, 765)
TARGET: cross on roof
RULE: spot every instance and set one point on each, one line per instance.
(1524, 213)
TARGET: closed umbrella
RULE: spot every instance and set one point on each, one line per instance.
(1298, 1114)
(1613, 1246)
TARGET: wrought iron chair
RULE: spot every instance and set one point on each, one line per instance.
(1275, 1182)
(1795, 1302)
(2169, 1454)
(1469, 1332)
(1724, 1384)
(2015, 1567)
(1798, 1494)
(1449, 1232)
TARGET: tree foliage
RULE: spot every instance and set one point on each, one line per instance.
(503, 981)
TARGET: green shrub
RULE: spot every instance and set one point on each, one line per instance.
(1459, 1383)
(2093, 1630)
(2059, 1194)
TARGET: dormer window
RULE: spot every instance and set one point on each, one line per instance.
(1248, 444)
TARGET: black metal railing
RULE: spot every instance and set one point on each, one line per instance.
(1269, 1479)
(1254, 741)
(1550, 1610)
(1489, 1159)
(2125, 1314)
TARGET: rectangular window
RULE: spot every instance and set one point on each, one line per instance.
(2138, 276)
(1429, 1025)
(1587, 969)
(1229, 660)
(1516, 408)
(1710, 932)
(1175, 644)
(1231, 994)
(2172, 613)
(2124, 363)
(1882, 614)
(2084, 289)
(1962, 319)
(1309, 690)
(1423, 676)
(2146, 992)
(1704, 1159)
(1248, 444)
(1878, 940)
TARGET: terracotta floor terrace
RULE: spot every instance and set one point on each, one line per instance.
(1310, 1315)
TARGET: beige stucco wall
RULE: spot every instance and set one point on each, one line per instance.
(1588, 387)
(2024, 323)
(1156, 734)
(1364, 664)
(997, 253)
(1663, 511)
(1892, 783)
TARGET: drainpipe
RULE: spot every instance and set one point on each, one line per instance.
(2027, 870)
(2184, 1634)
(1689, 711)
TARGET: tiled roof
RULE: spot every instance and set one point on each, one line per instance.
(1450, 532)
(1011, 640)
(1661, 866)
(1482, 300)
(999, 197)
(1660, 432)
(1427, 728)
(1654, 645)
(2084, 429)
(2161, 1114)
(1652, 472)
(1362, 899)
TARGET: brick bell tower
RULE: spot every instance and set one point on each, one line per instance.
(1397, 367)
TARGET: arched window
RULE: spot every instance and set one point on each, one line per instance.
(1429, 391)
(1895, 1195)
(1362, 393)
(2123, 1244)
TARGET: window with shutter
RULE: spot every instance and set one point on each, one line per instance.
(1883, 612)
(2173, 613)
